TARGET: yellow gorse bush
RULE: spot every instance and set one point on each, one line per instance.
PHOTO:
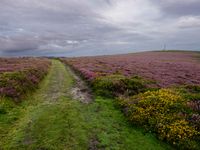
(178, 132)
(160, 112)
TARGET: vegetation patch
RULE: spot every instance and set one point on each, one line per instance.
(43, 122)
(22, 78)
(168, 107)
(166, 113)
(167, 68)
(115, 85)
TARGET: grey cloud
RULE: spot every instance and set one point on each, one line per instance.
(16, 44)
(180, 7)
(84, 27)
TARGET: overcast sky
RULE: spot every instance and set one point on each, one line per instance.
(94, 27)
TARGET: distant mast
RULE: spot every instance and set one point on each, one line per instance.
(164, 47)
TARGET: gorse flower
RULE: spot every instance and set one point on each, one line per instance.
(160, 112)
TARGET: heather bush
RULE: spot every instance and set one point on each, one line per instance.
(192, 94)
(168, 69)
(15, 84)
(164, 112)
(172, 114)
(193, 88)
(115, 85)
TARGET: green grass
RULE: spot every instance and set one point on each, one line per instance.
(50, 119)
(113, 131)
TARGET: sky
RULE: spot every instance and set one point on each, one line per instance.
(97, 27)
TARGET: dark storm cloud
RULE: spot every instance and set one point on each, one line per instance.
(88, 27)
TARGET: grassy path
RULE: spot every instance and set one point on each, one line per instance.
(51, 120)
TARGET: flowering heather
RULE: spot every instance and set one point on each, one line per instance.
(172, 113)
(167, 68)
(19, 75)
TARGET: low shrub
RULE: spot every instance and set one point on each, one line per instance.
(193, 88)
(115, 85)
(164, 112)
(15, 84)
(192, 94)
(179, 133)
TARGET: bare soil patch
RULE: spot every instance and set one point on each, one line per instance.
(80, 91)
